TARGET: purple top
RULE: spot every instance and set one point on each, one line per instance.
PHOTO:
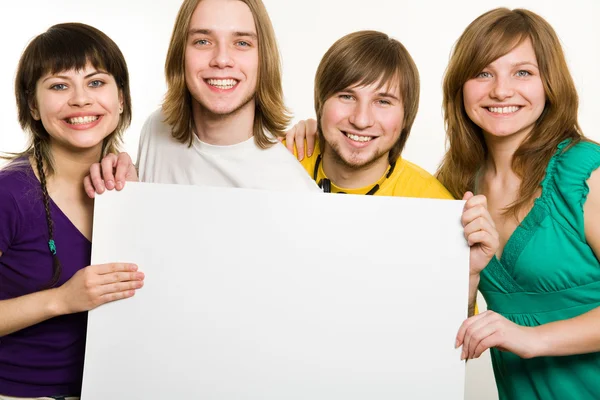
(44, 359)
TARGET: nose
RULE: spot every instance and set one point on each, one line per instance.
(503, 88)
(222, 57)
(362, 115)
(80, 96)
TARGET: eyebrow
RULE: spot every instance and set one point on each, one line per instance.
(519, 64)
(210, 32)
(68, 77)
(380, 94)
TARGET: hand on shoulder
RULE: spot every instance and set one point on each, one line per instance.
(111, 173)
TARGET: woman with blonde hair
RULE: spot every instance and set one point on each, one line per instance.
(72, 92)
(511, 116)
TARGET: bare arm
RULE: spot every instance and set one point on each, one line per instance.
(87, 289)
(24, 311)
(28, 310)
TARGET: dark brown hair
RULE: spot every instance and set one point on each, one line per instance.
(65, 47)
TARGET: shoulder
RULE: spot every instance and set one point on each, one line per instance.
(277, 153)
(282, 170)
(593, 180)
(16, 185)
(12, 184)
(592, 213)
(16, 176)
(414, 170)
(572, 166)
(156, 134)
(583, 156)
(417, 182)
(154, 125)
(570, 182)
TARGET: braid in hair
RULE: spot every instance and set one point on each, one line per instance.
(56, 267)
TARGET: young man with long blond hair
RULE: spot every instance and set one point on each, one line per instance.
(223, 109)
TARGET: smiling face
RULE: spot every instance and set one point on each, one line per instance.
(361, 124)
(507, 97)
(78, 108)
(221, 56)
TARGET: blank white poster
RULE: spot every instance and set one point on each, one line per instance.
(266, 295)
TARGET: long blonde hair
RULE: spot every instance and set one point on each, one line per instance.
(270, 115)
(487, 38)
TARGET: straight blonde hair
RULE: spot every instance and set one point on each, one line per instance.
(271, 115)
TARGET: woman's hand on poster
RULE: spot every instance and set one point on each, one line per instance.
(490, 329)
(95, 285)
(480, 232)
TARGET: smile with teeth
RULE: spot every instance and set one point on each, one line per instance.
(82, 120)
(504, 110)
(222, 83)
(358, 138)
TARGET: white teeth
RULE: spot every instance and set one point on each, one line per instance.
(222, 83)
(82, 120)
(504, 110)
(358, 138)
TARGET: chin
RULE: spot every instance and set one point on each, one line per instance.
(221, 110)
(86, 146)
(355, 162)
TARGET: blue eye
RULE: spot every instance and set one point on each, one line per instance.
(59, 86)
(523, 73)
(201, 42)
(345, 97)
(484, 74)
(96, 83)
(385, 102)
(243, 43)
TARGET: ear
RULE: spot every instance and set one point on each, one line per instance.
(120, 101)
(33, 110)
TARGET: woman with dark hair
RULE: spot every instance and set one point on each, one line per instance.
(72, 92)
(510, 108)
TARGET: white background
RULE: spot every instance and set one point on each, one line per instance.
(305, 29)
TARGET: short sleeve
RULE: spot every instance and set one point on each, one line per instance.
(9, 219)
(567, 184)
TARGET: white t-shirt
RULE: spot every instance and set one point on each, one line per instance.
(163, 159)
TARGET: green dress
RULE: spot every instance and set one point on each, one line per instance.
(547, 273)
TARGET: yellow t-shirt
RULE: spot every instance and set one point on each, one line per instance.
(407, 180)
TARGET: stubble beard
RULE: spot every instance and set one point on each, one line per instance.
(338, 159)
